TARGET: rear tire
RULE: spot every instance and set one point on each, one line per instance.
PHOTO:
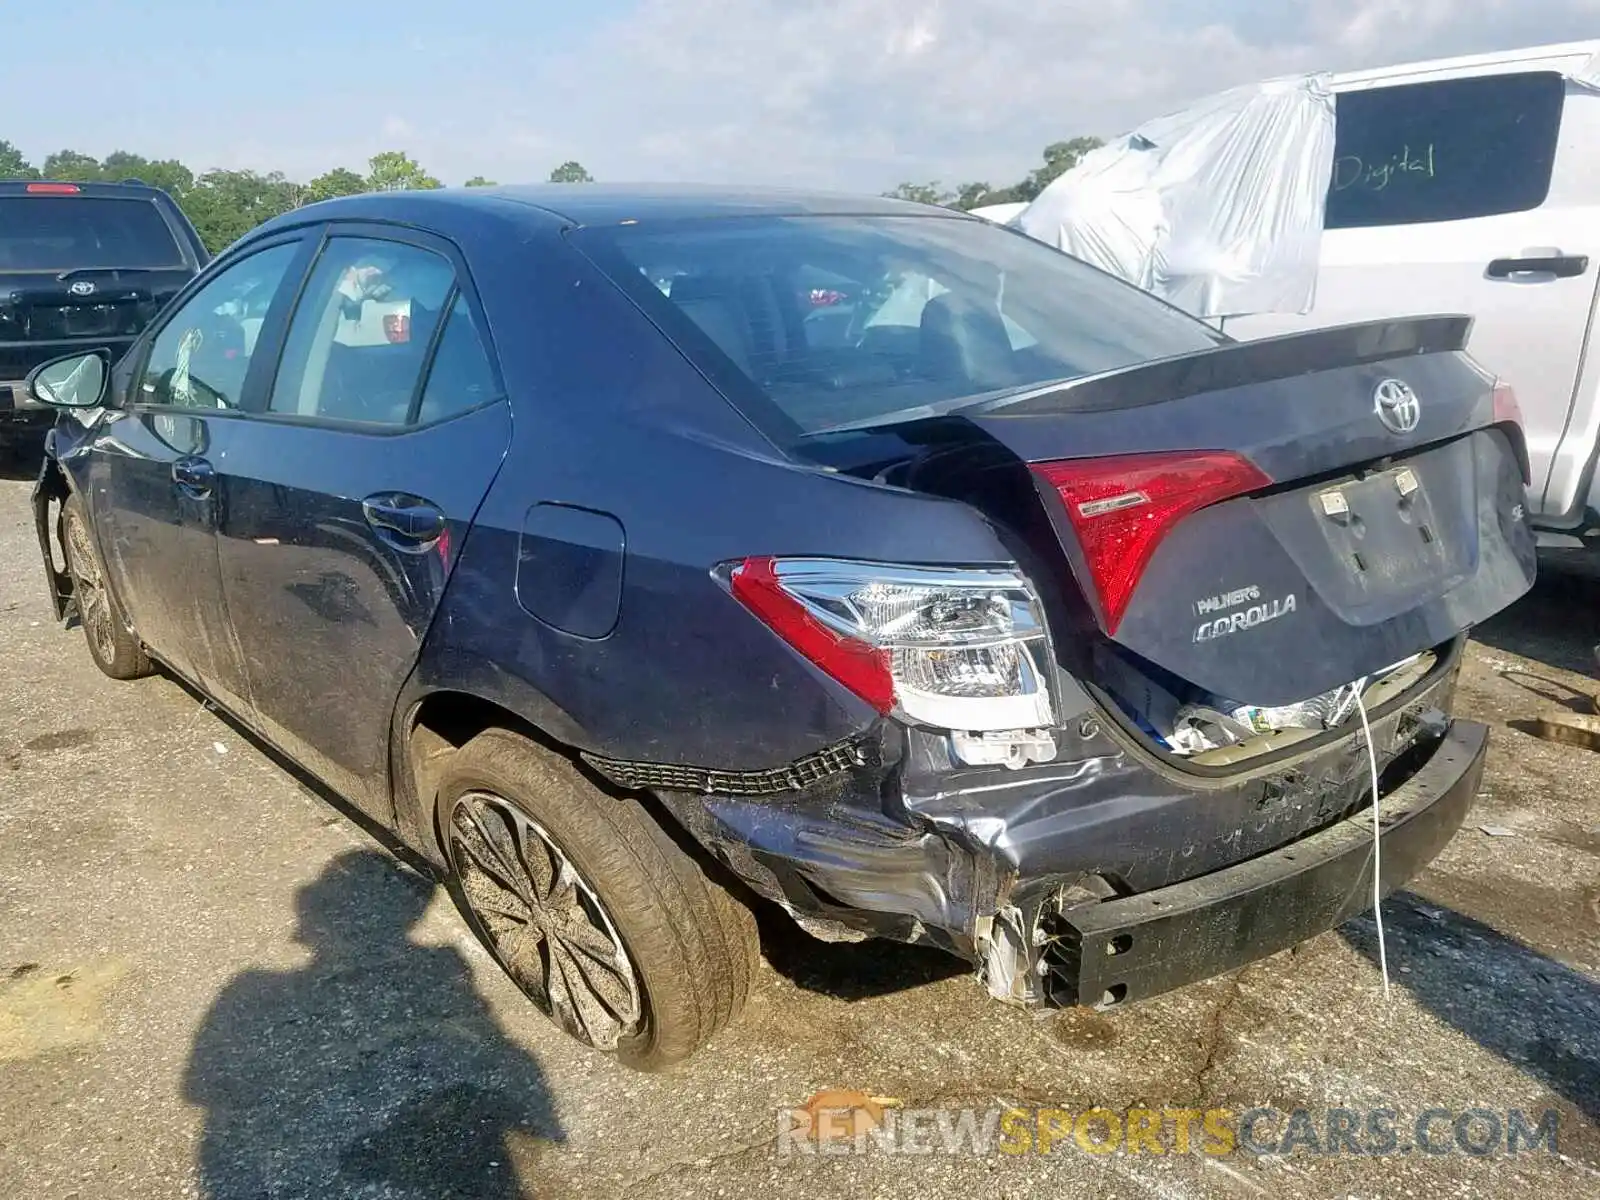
(115, 648)
(686, 950)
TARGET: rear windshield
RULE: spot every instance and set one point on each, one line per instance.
(828, 321)
(61, 233)
(1445, 150)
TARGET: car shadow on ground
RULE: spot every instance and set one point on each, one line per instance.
(849, 970)
(374, 1069)
(1530, 1010)
(1557, 623)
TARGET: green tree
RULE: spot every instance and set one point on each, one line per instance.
(395, 170)
(971, 195)
(571, 172)
(341, 181)
(480, 181)
(168, 174)
(1059, 158)
(226, 205)
(71, 165)
(13, 164)
(921, 193)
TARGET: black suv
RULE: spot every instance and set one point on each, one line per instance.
(83, 266)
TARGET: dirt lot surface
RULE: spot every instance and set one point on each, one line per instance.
(213, 982)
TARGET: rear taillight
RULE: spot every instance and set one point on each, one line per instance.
(1122, 507)
(1507, 409)
(957, 649)
(861, 667)
(53, 189)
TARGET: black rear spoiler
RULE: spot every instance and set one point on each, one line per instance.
(1239, 364)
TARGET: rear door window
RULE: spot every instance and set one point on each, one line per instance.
(361, 332)
(1444, 150)
(59, 233)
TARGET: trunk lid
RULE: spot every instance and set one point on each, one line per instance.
(1336, 544)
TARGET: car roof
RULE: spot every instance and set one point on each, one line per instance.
(608, 204)
(616, 203)
(131, 190)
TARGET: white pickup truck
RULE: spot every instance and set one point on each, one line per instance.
(1472, 185)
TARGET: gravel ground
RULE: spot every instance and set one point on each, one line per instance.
(214, 982)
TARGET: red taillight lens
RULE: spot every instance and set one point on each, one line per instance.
(1508, 411)
(1122, 507)
(864, 669)
(54, 189)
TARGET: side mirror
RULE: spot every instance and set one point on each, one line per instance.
(74, 381)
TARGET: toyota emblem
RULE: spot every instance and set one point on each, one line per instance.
(82, 288)
(1397, 406)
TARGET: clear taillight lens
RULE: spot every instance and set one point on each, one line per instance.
(957, 649)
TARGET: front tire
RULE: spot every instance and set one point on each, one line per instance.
(601, 919)
(115, 648)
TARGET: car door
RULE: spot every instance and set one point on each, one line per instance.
(151, 487)
(1475, 194)
(345, 496)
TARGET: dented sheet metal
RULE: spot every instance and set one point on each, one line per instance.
(922, 848)
(1135, 947)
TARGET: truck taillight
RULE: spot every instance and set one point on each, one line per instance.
(1507, 409)
(956, 649)
(1122, 507)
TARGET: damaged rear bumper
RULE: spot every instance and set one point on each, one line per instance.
(1139, 946)
(1104, 872)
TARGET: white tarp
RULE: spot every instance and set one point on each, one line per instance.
(1588, 75)
(1217, 208)
(1000, 214)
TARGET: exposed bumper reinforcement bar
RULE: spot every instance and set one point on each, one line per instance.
(1139, 946)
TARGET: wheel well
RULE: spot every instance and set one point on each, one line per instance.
(439, 727)
(444, 722)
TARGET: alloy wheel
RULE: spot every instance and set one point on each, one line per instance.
(544, 921)
(94, 603)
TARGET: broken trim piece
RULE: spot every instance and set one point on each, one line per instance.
(796, 776)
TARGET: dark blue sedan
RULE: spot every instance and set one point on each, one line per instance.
(640, 556)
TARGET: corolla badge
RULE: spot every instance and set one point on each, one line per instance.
(82, 288)
(1397, 406)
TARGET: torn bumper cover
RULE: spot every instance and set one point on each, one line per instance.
(1103, 876)
(1143, 945)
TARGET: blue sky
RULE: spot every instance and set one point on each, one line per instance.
(841, 93)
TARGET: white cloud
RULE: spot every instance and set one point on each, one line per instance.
(865, 93)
